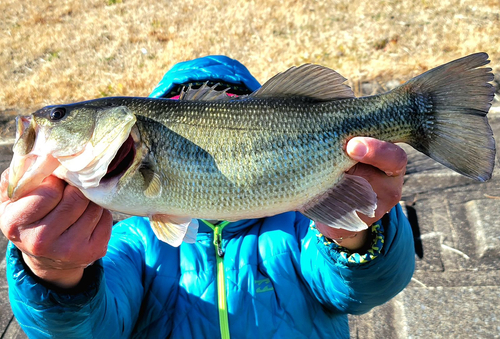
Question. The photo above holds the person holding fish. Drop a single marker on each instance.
(285, 251)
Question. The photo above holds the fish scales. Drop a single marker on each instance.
(304, 159)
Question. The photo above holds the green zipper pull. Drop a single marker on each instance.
(218, 241)
(218, 238)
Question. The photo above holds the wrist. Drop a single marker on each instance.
(358, 242)
(61, 278)
(353, 241)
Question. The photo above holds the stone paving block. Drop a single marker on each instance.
(445, 279)
(450, 312)
(3, 245)
(14, 331)
(484, 218)
(431, 260)
(6, 313)
(8, 124)
(381, 322)
(8, 324)
(433, 312)
(7, 134)
(459, 250)
(3, 280)
(430, 240)
(455, 224)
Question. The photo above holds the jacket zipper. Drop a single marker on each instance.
(221, 278)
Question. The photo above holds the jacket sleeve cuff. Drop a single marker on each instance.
(353, 287)
(345, 256)
(28, 289)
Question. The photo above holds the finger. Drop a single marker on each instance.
(383, 155)
(84, 226)
(73, 248)
(34, 206)
(88, 237)
(388, 189)
(389, 196)
(102, 233)
(381, 183)
(4, 183)
(72, 205)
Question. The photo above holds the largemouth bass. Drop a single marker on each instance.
(282, 148)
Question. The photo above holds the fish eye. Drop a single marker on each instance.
(57, 113)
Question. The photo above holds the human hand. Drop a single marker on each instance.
(58, 230)
(383, 165)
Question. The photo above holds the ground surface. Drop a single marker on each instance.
(61, 51)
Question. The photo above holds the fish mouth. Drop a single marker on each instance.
(27, 170)
(122, 161)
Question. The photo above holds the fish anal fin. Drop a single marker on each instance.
(174, 230)
(192, 232)
(338, 207)
(315, 82)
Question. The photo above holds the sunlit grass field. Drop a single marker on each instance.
(63, 51)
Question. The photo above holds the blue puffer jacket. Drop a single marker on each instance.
(273, 277)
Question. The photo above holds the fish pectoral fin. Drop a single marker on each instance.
(152, 182)
(315, 82)
(337, 208)
(174, 230)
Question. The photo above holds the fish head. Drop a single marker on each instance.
(75, 142)
(64, 129)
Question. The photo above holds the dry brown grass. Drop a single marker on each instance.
(61, 51)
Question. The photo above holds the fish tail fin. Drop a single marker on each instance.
(456, 98)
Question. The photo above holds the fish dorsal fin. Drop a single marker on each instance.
(337, 208)
(174, 230)
(204, 93)
(310, 81)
